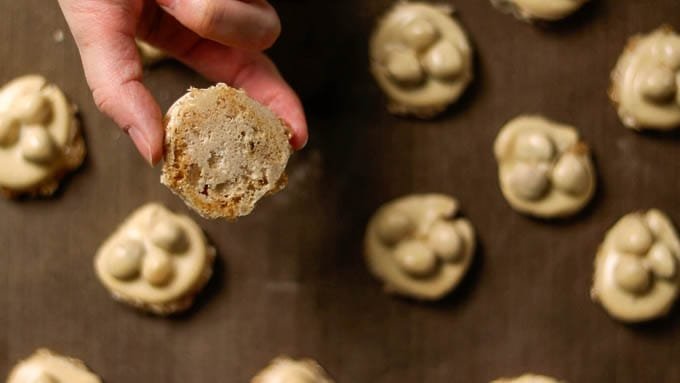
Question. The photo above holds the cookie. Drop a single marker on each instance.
(529, 10)
(149, 54)
(646, 81)
(40, 138)
(418, 247)
(156, 260)
(45, 366)
(223, 151)
(286, 370)
(636, 268)
(528, 378)
(421, 58)
(544, 168)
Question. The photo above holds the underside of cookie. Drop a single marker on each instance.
(224, 151)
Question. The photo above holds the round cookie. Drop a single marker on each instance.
(40, 139)
(421, 58)
(156, 260)
(636, 268)
(417, 247)
(149, 54)
(45, 366)
(646, 81)
(527, 378)
(286, 370)
(529, 10)
(223, 151)
(543, 168)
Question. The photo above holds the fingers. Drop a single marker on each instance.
(250, 25)
(104, 31)
(249, 70)
(133, 108)
(114, 72)
(257, 75)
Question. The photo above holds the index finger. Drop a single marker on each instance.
(105, 39)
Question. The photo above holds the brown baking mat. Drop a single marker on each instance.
(291, 278)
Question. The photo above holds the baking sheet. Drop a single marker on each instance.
(290, 277)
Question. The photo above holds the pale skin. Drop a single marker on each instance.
(221, 39)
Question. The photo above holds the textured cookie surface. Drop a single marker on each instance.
(156, 260)
(544, 168)
(539, 9)
(636, 268)
(527, 378)
(40, 140)
(418, 247)
(223, 151)
(45, 366)
(421, 58)
(286, 370)
(646, 81)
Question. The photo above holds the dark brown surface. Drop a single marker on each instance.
(290, 276)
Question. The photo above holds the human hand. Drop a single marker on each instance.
(221, 39)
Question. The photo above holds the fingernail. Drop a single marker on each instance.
(142, 143)
(294, 139)
(304, 143)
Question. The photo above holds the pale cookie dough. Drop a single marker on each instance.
(418, 248)
(528, 378)
(421, 58)
(286, 370)
(45, 366)
(156, 261)
(636, 268)
(646, 81)
(529, 10)
(40, 139)
(544, 169)
(149, 53)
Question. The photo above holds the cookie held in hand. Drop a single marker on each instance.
(224, 151)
